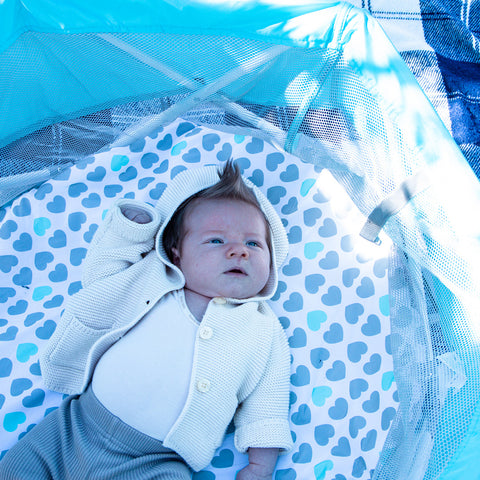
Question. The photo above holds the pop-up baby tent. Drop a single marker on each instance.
(380, 292)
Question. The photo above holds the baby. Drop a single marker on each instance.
(169, 339)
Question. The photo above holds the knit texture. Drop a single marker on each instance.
(242, 371)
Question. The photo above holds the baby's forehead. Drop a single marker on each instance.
(223, 212)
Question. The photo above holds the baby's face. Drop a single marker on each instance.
(224, 251)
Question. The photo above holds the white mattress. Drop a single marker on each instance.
(332, 297)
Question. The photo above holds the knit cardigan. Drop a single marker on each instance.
(240, 370)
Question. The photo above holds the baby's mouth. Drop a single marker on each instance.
(236, 271)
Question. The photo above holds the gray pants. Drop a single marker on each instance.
(82, 440)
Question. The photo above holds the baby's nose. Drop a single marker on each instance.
(238, 249)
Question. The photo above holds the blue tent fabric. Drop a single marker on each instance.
(438, 48)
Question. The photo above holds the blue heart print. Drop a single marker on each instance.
(359, 467)
(353, 312)
(339, 410)
(23, 209)
(165, 143)
(286, 474)
(35, 369)
(334, 334)
(129, 174)
(355, 351)
(366, 289)
(24, 277)
(209, 141)
(19, 308)
(342, 449)
(7, 262)
(97, 175)
(294, 235)
(257, 178)
(156, 192)
(372, 327)
(355, 425)
(33, 318)
(41, 225)
(275, 194)
(330, 261)
(57, 205)
(387, 417)
(6, 367)
(192, 156)
(373, 365)
(294, 303)
(304, 454)
(225, 153)
(55, 302)
(92, 201)
(139, 144)
(110, 191)
(254, 146)
(58, 239)
(347, 243)
(43, 190)
(24, 243)
(162, 168)
(337, 372)
(9, 334)
(273, 160)
(311, 216)
(77, 255)
(35, 399)
(183, 128)
(290, 174)
(318, 356)
(301, 377)
(320, 295)
(298, 339)
(328, 228)
(357, 387)
(290, 207)
(315, 319)
(46, 331)
(6, 293)
(332, 297)
(323, 434)
(303, 416)
(148, 160)
(369, 441)
(59, 274)
(20, 385)
(7, 229)
(145, 182)
(42, 259)
(349, 275)
(224, 459)
(372, 404)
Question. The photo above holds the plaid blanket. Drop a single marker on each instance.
(440, 42)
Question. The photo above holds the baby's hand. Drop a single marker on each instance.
(136, 214)
(249, 473)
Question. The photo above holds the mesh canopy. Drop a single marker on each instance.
(328, 87)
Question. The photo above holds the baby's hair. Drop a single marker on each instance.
(230, 187)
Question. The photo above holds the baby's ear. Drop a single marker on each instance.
(176, 257)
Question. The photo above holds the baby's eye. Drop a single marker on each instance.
(216, 240)
(253, 243)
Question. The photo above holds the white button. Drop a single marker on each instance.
(203, 385)
(219, 301)
(206, 333)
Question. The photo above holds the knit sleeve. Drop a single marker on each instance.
(120, 242)
(262, 418)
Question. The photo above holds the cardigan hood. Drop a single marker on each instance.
(192, 181)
